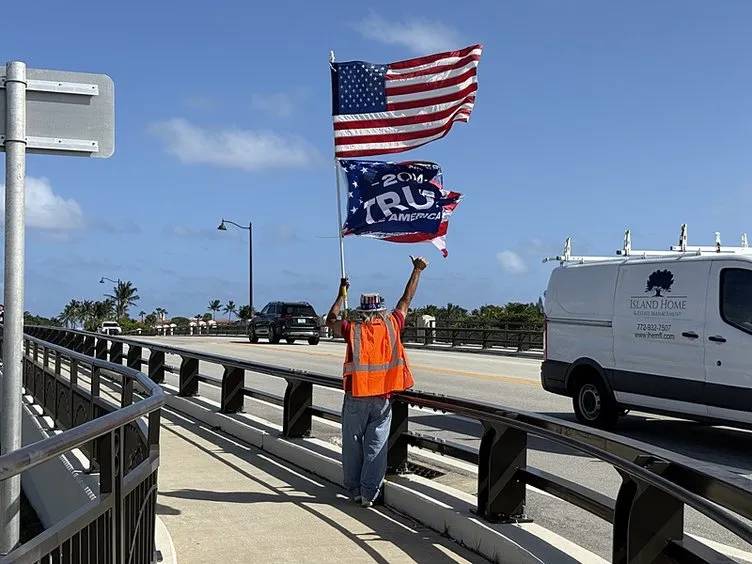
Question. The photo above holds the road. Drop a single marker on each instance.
(512, 382)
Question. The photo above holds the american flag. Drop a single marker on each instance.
(391, 108)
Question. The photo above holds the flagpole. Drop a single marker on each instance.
(337, 175)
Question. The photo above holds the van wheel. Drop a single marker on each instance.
(593, 404)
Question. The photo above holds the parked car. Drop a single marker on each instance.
(109, 328)
(663, 334)
(286, 320)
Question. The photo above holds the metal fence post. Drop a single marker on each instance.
(116, 352)
(297, 409)
(156, 366)
(134, 357)
(233, 380)
(646, 519)
(188, 377)
(110, 447)
(396, 460)
(101, 348)
(501, 494)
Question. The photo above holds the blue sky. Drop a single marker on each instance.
(591, 117)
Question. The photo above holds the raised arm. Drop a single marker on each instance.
(333, 320)
(419, 264)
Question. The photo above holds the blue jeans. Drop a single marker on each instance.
(365, 430)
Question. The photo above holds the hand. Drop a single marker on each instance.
(419, 263)
(344, 286)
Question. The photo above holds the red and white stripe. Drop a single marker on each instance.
(425, 96)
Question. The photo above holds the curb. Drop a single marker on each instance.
(441, 508)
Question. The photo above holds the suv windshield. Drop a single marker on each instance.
(109, 324)
(297, 309)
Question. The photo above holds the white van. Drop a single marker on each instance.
(658, 331)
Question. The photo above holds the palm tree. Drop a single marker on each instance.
(230, 308)
(214, 306)
(161, 313)
(245, 312)
(124, 294)
(87, 312)
(141, 314)
(71, 313)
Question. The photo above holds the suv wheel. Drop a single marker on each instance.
(274, 335)
(593, 404)
(313, 341)
(252, 337)
(290, 341)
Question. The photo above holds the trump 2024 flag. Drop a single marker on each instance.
(398, 202)
(390, 108)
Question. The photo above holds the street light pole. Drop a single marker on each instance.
(223, 227)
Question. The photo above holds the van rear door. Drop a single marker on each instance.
(659, 349)
(729, 341)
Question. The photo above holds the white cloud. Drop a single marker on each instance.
(278, 104)
(47, 210)
(421, 36)
(511, 262)
(245, 149)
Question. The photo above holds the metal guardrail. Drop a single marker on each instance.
(512, 336)
(118, 525)
(518, 337)
(647, 515)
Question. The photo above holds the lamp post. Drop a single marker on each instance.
(101, 280)
(223, 227)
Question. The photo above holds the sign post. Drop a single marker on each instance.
(50, 112)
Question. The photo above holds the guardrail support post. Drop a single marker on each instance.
(501, 494)
(88, 346)
(116, 352)
(134, 357)
(233, 380)
(156, 366)
(396, 459)
(646, 519)
(101, 348)
(297, 409)
(188, 377)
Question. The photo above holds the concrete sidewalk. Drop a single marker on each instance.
(225, 501)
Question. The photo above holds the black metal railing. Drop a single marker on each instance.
(511, 336)
(111, 413)
(519, 337)
(647, 515)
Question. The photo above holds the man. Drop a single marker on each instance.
(375, 367)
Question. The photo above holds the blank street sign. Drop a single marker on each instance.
(70, 113)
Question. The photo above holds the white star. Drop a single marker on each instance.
(355, 184)
(349, 194)
(364, 169)
(353, 209)
(352, 167)
(360, 201)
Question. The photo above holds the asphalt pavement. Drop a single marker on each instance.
(510, 382)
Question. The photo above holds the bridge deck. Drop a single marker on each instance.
(225, 501)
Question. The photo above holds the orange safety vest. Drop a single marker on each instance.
(378, 365)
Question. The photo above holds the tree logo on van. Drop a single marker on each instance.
(660, 280)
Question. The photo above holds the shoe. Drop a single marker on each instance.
(366, 503)
(357, 499)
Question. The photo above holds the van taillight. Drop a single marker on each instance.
(545, 339)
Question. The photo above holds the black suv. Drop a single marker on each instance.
(285, 320)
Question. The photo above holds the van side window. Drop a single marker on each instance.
(736, 298)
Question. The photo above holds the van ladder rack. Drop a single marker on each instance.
(676, 251)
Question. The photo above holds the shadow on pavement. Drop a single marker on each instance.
(305, 493)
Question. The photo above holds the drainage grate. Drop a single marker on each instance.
(424, 471)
